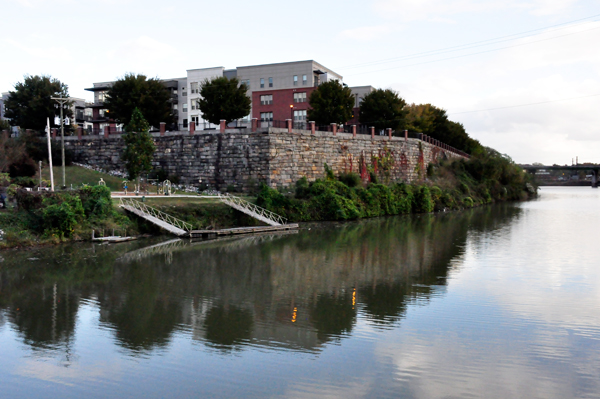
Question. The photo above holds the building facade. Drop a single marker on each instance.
(278, 92)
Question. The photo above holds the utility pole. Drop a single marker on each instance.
(62, 101)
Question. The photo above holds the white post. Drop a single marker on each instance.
(50, 157)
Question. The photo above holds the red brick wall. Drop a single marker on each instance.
(282, 99)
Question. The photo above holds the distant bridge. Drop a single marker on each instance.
(594, 169)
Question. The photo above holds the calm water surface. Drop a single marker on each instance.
(499, 302)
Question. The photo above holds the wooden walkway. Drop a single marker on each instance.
(241, 230)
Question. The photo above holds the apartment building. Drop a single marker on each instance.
(278, 92)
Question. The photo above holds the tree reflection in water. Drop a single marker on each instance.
(298, 291)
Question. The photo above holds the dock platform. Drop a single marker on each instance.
(241, 230)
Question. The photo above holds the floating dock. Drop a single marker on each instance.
(241, 230)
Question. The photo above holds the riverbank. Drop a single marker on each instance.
(450, 185)
(51, 218)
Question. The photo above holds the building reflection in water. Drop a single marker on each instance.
(293, 291)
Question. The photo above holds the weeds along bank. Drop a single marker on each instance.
(54, 217)
(450, 185)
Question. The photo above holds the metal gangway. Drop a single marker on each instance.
(159, 218)
(255, 211)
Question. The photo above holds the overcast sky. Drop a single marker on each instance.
(482, 61)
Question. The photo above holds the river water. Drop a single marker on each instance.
(497, 302)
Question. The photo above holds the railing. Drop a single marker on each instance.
(252, 209)
(140, 206)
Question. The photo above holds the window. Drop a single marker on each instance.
(195, 119)
(266, 117)
(266, 99)
(185, 123)
(295, 80)
(300, 97)
(184, 107)
(304, 80)
(193, 106)
(300, 116)
(101, 96)
(183, 92)
(246, 82)
(262, 83)
(194, 87)
(270, 82)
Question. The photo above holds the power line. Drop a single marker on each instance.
(471, 45)
(476, 53)
(523, 105)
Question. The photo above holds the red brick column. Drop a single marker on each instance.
(53, 130)
(192, 128)
(389, 130)
(353, 130)
(254, 124)
(406, 135)
(372, 129)
(222, 126)
(163, 128)
(312, 127)
(334, 128)
(79, 132)
(106, 131)
(289, 125)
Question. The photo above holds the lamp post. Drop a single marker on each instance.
(62, 101)
(292, 114)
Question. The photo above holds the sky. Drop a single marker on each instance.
(521, 75)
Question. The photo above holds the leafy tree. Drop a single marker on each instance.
(136, 91)
(30, 104)
(331, 103)
(223, 98)
(434, 122)
(139, 146)
(383, 109)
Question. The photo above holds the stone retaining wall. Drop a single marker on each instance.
(274, 156)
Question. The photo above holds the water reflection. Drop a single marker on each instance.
(295, 291)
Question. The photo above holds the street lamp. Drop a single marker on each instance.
(292, 114)
(62, 101)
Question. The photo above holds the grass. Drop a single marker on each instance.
(76, 175)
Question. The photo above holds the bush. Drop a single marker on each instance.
(302, 188)
(468, 202)
(422, 202)
(96, 201)
(350, 179)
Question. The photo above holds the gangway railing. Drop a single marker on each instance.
(160, 215)
(253, 210)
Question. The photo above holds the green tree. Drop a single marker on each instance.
(132, 91)
(139, 146)
(383, 109)
(331, 103)
(31, 103)
(223, 98)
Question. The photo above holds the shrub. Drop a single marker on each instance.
(96, 200)
(422, 202)
(350, 179)
(61, 219)
(302, 188)
(468, 202)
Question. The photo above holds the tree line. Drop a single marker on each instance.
(223, 98)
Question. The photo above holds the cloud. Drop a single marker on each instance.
(143, 49)
(367, 33)
(414, 10)
(45, 53)
(533, 70)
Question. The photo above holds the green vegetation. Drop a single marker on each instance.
(137, 91)
(222, 98)
(79, 176)
(486, 178)
(30, 104)
(383, 109)
(139, 146)
(331, 103)
(434, 122)
(53, 217)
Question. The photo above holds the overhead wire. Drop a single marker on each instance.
(486, 42)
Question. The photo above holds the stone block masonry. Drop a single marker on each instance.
(241, 159)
